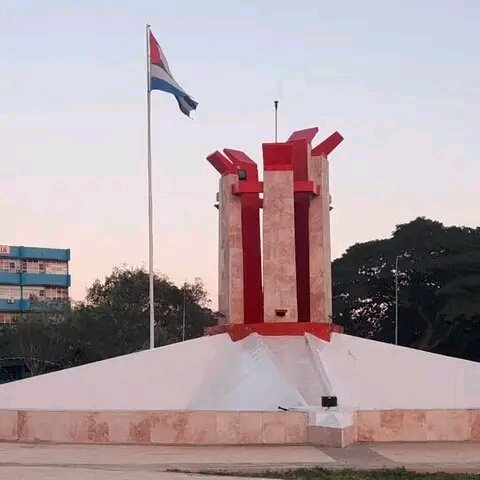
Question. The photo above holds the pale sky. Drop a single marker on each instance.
(400, 80)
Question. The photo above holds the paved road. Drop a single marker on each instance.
(108, 462)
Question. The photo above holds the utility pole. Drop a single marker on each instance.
(184, 310)
(396, 299)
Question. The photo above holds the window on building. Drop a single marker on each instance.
(56, 267)
(45, 293)
(9, 318)
(31, 292)
(33, 266)
(8, 292)
(7, 265)
(6, 318)
(58, 293)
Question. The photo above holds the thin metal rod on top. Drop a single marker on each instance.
(276, 120)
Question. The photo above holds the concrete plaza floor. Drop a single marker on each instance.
(105, 462)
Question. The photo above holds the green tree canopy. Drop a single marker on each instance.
(119, 307)
(439, 288)
(113, 320)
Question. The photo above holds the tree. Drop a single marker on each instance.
(113, 320)
(118, 311)
(439, 288)
(39, 341)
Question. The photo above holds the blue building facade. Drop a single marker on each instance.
(30, 274)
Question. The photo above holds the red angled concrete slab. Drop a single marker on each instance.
(221, 164)
(328, 145)
(237, 156)
(307, 134)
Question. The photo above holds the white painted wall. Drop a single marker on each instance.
(372, 375)
(293, 357)
(247, 378)
(257, 373)
(163, 378)
(209, 373)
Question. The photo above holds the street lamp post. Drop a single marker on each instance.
(396, 299)
(184, 309)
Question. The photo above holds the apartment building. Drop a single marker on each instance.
(30, 274)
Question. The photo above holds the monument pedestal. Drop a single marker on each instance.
(239, 331)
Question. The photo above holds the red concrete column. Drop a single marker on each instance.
(279, 266)
(301, 151)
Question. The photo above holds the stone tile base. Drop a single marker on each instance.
(155, 427)
(401, 426)
(235, 428)
(418, 425)
(331, 437)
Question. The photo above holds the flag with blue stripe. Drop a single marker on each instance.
(162, 79)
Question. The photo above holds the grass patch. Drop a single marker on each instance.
(322, 474)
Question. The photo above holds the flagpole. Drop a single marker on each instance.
(150, 200)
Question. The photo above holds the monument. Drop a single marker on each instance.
(294, 294)
(261, 376)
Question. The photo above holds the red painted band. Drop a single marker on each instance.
(247, 187)
(278, 168)
(307, 187)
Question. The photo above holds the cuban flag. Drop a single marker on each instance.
(162, 79)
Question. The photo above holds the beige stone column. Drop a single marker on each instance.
(279, 271)
(230, 261)
(320, 250)
(327, 245)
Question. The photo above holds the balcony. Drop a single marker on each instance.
(7, 278)
(13, 305)
(59, 254)
(36, 305)
(47, 279)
